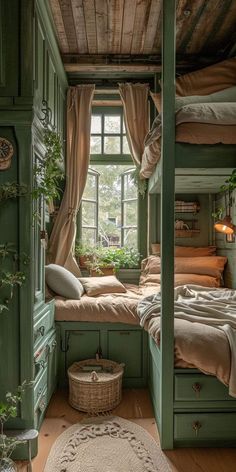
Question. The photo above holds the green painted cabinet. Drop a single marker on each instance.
(125, 346)
(81, 345)
(30, 72)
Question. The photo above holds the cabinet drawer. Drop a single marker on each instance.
(40, 409)
(204, 426)
(194, 387)
(43, 323)
(40, 387)
(126, 346)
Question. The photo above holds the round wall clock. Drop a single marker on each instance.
(6, 153)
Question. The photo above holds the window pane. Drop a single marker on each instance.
(95, 145)
(112, 124)
(125, 146)
(130, 189)
(96, 124)
(90, 190)
(130, 237)
(89, 236)
(112, 145)
(130, 213)
(89, 214)
(124, 129)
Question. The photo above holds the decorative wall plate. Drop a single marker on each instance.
(6, 153)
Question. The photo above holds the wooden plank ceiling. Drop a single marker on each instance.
(91, 31)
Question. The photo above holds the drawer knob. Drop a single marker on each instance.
(41, 330)
(196, 426)
(197, 388)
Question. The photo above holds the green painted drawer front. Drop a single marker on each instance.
(40, 409)
(154, 385)
(204, 426)
(40, 386)
(52, 365)
(43, 324)
(81, 345)
(191, 387)
(126, 346)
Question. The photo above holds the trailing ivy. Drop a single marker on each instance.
(230, 183)
(47, 171)
(12, 190)
(141, 184)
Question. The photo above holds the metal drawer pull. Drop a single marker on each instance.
(54, 343)
(196, 426)
(39, 391)
(197, 388)
(41, 330)
(42, 406)
(125, 333)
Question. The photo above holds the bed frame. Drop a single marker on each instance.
(191, 408)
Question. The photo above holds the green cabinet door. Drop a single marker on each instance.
(81, 345)
(126, 346)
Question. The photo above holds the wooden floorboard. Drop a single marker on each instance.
(135, 406)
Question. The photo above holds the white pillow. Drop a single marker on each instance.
(63, 282)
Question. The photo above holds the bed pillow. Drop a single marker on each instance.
(205, 265)
(227, 95)
(213, 265)
(63, 282)
(205, 81)
(187, 251)
(181, 279)
(100, 285)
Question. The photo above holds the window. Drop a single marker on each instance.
(110, 206)
(108, 135)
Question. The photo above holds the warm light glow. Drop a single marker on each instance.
(225, 226)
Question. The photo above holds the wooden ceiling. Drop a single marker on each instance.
(119, 30)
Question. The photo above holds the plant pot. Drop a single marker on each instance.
(108, 270)
(7, 465)
(84, 260)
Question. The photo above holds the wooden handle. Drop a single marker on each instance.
(197, 388)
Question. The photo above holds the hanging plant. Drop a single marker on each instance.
(141, 184)
(230, 183)
(11, 280)
(47, 171)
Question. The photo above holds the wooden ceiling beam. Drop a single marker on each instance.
(91, 67)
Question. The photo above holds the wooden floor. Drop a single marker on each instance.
(136, 406)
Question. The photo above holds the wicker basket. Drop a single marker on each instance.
(94, 391)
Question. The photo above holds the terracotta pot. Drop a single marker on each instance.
(109, 270)
(83, 261)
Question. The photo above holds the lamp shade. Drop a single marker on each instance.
(225, 225)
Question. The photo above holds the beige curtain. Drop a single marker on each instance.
(62, 240)
(135, 101)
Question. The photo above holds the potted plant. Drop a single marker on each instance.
(84, 254)
(106, 261)
(7, 443)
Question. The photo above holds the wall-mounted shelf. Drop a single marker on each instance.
(186, 207)
(186, 233)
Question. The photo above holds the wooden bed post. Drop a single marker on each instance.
(167, 224)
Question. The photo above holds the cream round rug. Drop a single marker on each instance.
(108, 444)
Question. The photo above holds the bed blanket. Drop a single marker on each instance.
(205, 329)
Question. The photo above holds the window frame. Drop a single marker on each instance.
(110, 158)
(101, 159)
(125, 201)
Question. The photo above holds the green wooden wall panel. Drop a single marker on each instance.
(81, 345)
(225, 248)
(9, 53)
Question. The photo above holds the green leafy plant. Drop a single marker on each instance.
(11, 280)
(8, 409)
(12, 190)
(218, 214)
(3, 308)
(141, 184)
(100, 257)
(47, 171)
(230, 183)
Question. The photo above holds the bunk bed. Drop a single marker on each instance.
(191, 408)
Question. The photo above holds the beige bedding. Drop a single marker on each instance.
(204, 329)
(111, 308)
